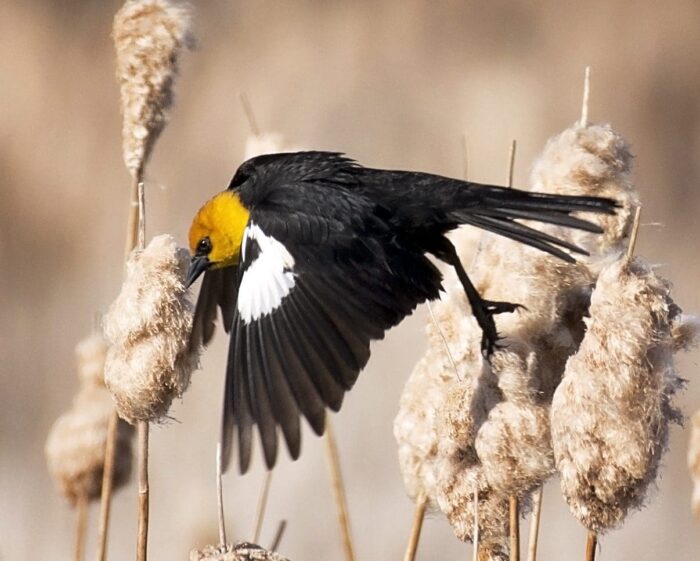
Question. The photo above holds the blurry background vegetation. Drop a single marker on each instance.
(393, 84)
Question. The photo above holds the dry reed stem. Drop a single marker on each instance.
(278, 535)
(107, 485)
(341, 504)
(142, 535)
(262, 506)
(586, 97)
(694, 462)
(591, 545)
(514, 527)
(535, 524)
(81, 527)
(416, 527)
(513, 503)
(220, 494)
(238, 552)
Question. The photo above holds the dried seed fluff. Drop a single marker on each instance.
(238, 552)
(75, 447)
(592, 160)
(149, 36)
(611, 413)
(149, 363)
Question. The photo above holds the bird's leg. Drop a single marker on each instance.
(483, 310)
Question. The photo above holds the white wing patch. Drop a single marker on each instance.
(268, 279)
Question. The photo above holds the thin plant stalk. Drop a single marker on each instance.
(142, 536)
(634, 233)
(514, 503)
(414, 537)
(81, 527)
(586, 97)
(132, 236)
(475, 534)
(341, 503)
(278, 536)
(107, 484)
(220, 494)
(262, 505)
(514, 528)
(535, 525)
(591, 545)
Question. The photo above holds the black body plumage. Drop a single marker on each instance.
(348, 247)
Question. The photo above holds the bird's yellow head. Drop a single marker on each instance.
(216, 234)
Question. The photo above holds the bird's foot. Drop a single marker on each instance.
(484, 310)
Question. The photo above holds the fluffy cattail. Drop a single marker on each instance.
(75, 447)
(694, 462)
(149, 36)
(149, 363)
(415, 425)
(611, 413)
(460, 474)
(238, 552)
(592, 160)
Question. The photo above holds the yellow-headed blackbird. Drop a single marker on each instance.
(310, 256)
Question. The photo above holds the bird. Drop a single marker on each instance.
(310, 256)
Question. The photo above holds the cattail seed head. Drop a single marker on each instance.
(610, 415)
(238, 552)
(91, 354)
(75, 447)
(150, 362)
(459, 472)
(592, 160)
(149, 36)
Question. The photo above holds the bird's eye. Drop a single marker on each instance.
(204, 246)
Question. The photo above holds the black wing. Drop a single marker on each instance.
(319, 279)
(218, 290)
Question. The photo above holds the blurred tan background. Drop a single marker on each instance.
(393, 84)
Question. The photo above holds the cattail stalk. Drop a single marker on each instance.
(535, 524)
(414, 537)
(142, 536)
(81, 527)
(262, 506)
(278, 535)
(107, 486)
(341, 503)
(148, 36)
(513, 502)
(220, 494)
(591, 545)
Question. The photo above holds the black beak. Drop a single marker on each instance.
(198, 265)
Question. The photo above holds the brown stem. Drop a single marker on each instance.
(634, 233)
(80, 527)
(132, 230)
(142, 536)
(591, 544)
(278, 536)
(418, 517)
(107, 480)
(514, 528)
(535, 525)
(341, 504)
(262, 505)
(476, 521)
